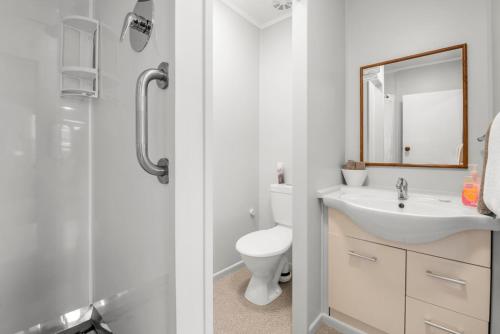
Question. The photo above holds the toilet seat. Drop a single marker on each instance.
(265, 243)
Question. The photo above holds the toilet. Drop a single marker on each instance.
(264, 252)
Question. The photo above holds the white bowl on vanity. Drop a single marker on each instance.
(355, 177)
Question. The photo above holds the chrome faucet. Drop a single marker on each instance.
(402, 187)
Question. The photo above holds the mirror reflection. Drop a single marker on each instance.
(413, 110)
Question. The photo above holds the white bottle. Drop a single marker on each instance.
(280, 170)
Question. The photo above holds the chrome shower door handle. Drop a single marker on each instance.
(160, 75)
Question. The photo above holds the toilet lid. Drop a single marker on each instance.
(264, 243)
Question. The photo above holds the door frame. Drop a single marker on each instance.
(192, 167)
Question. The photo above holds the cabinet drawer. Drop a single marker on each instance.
(456, 286)
(423, 318)
(367, 282)
(472, 247)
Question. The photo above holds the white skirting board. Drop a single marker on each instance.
(313, 328)
(231, 269)
(333, 323)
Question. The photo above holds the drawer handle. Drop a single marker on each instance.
(369, 258)
(432, 324)
(447, 279)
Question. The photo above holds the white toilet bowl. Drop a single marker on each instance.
(264, 253)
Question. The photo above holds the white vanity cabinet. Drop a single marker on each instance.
(381, 287)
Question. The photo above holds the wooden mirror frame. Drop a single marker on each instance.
(465, 124)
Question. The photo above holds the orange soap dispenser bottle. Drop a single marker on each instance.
(471, 189)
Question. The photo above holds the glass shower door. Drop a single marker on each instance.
(81, 223)
(133, 230)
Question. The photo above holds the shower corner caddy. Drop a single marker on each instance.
(79, 57)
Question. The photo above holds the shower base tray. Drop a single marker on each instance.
(89, 323)
(86, 320)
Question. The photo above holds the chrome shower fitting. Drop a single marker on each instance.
(140, 25)
(282, 4)
(136, 22)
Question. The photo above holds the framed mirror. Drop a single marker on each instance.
(414, 110)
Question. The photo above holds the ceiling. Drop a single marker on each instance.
(259, 12)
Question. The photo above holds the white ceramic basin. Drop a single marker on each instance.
(424, 217)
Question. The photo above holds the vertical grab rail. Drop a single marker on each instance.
(159, 74)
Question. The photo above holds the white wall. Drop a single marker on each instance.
(495, 14)
(426, 79)
(318, 138)
(495, 56)
(431, 25)
(275, 112)
(193, 154)
(44, 216)
(236, 47)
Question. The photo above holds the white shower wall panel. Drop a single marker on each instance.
(44, 239)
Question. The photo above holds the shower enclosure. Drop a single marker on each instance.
(82, 226)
